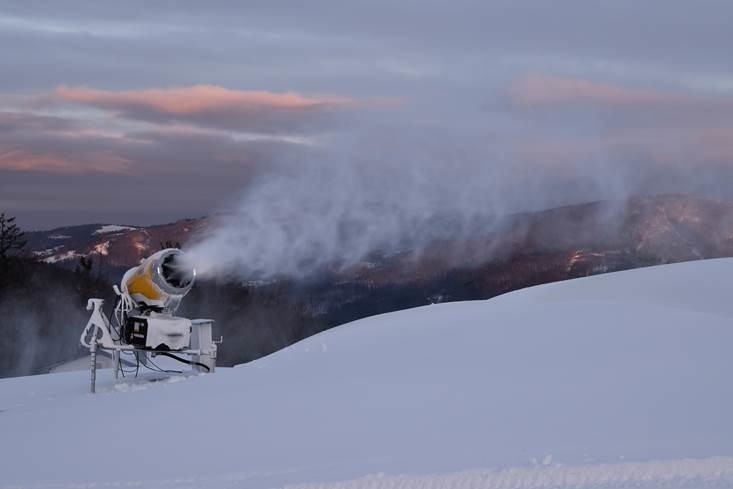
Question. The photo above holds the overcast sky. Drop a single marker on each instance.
(146, 112)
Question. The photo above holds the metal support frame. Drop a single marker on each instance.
(204, 351)
(93, 354)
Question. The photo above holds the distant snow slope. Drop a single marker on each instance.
(619, 380)
(113, 228)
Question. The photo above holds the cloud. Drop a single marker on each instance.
(192, 100)
(540, 90)
(153, 154)
(568, 123)
(607, 94)
(56, 170)
(211, 106)
(14, 121)
(76, 142)
(31, 142)
(28, 159)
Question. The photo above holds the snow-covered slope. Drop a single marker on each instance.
(618, 380)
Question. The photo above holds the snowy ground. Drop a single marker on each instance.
(620, 380)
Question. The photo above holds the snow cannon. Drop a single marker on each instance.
(145, 324)
(160, 281)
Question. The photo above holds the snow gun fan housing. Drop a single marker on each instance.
(160, 281)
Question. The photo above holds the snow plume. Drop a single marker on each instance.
(401, 177)
(386, 192)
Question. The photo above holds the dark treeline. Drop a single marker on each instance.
(42, 312)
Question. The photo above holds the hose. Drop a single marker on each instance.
(183, 360)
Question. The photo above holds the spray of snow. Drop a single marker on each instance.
(388, 187)
(387, 190)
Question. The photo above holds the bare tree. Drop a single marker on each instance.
(11, 237)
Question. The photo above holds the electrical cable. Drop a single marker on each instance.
(109, 318)
(137, 364)
(183, 360)
(151, 365)
(159, 369)
(122, 369)
(119, 366)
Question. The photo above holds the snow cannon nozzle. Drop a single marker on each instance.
(161, 280)
(176, 270)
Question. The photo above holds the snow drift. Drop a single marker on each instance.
(585, 383)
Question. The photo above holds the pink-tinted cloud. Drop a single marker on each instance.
(192, 100)
(26, 159)
(42, 144)
(186, 131)
(618, 124)
(212, 106)
(538, 90)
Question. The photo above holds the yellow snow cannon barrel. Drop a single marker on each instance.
(160, 281)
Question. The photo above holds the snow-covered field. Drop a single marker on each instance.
(619, 380)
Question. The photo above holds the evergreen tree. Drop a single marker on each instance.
(11, 237)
